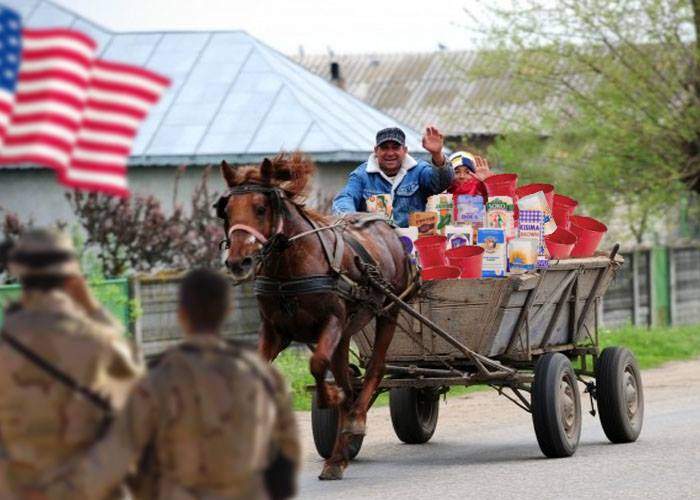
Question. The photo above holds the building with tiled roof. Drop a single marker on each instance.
(420, 88)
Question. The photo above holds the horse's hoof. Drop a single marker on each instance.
(331, 473)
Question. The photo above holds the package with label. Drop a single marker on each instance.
(442, 204)
(459, 235)
(426, 222)
(531, 225)
(493, 241)
(522, 255)
(470, 208)
(379, 203)
(538, 201)
(408, 236)
(499, 213)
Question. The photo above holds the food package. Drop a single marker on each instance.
(522, 254)
(380, 203)
(459, 235)
(538, 201)
(408, 236)
(470, 209)
(425, 222)
(499, 214)
(493, 241)
(442, 204)
(531, 225)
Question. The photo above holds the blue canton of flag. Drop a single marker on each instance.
(10, 52)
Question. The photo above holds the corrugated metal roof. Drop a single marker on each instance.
(231, 97)
(421, 88)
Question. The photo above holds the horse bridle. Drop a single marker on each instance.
(279, 209)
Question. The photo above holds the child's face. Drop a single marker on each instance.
(462, 174)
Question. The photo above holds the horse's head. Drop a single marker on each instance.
(254, 209)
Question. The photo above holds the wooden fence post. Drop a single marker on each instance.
(137, 327)
(635, 287)
(673, 312)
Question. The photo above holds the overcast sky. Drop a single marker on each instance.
(349, 26)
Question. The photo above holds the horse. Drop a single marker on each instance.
(310, 282)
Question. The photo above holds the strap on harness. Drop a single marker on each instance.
(55, 372)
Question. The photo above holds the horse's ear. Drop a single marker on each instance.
(266, 169)
(229, 173)
(284, 173)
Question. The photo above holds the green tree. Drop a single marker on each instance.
(603, 99)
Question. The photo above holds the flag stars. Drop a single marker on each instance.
(13, 41)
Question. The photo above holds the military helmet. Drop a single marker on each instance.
(43, 252)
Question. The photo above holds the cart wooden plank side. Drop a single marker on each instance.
(533, 337)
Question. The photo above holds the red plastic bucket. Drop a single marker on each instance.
(440, 273)
(589, 233)
(501, 185)
(431, 250)
(529, 189)
(563, 209)
(468, 258)
(560, 243)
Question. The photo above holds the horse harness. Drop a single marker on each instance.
(337, 281)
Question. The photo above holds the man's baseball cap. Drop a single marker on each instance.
(394, 134)
(463, 159)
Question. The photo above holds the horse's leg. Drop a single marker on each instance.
(334, 466)
(270, 343)
(356, 423)
(328, 395)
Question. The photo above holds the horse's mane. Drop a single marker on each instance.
(292, 172)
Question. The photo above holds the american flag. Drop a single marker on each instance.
(63, 108)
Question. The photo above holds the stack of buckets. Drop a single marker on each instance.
(438, 262)
(576, 235)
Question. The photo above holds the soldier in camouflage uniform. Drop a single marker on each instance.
(64, 364)
(211, 420)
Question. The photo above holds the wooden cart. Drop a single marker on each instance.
(533, 337)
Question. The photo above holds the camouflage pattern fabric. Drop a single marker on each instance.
(204, 424)
(44, 423)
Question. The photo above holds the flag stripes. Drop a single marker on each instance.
(69, 110)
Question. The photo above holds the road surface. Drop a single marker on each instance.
(485, 447)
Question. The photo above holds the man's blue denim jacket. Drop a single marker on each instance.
(409, 190)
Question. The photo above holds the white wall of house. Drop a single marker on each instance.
(34, 193)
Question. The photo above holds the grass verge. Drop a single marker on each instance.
(652, 347)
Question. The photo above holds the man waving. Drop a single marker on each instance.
(391, 170)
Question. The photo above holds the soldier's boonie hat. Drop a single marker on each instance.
(43, 252)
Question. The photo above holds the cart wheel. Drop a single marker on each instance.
(324, 425)
(414, 413)
(620, 395)
(556, 406)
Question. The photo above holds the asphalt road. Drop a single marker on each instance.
(485, 447)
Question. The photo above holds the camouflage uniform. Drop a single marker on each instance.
(42, 421)
(205, 423)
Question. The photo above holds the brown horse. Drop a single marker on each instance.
(309, 282)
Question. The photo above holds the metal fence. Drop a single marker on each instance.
(114, 294)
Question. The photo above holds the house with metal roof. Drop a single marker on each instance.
(420, 88)
(232, 97)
